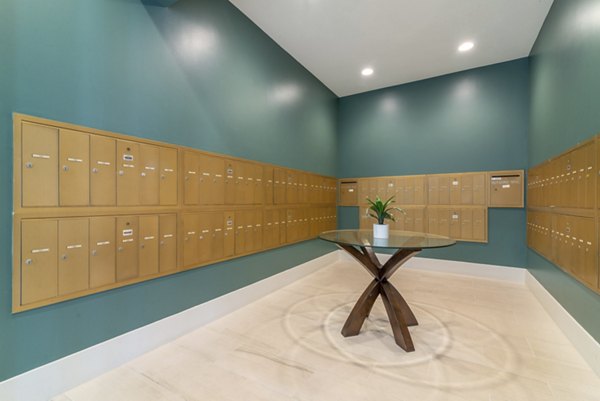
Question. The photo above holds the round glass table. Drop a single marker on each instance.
(360, 244)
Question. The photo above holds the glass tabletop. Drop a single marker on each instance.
(396, 240)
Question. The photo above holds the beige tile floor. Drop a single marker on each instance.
(477, 339)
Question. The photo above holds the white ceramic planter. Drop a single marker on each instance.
(381, 231)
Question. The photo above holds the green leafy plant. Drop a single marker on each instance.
(381, 211)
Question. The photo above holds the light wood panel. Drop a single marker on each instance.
(96, 210)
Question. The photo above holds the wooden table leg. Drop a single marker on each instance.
(398, 311)
(361, 310)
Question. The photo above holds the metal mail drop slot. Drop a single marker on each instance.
(168, 236)
(40, 250)
(76, 246)
(168, 170)
(103, 243)
(72, 159)
(39, 156)
(149, 238)
(127, 232)
(103, 163)
(128, 240)
(229, 222)
(128, 158)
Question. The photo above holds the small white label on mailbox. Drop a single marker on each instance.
(128, 158)
(127, 232)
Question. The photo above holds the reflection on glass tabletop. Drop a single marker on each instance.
(396, 240)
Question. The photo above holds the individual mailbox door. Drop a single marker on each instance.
(229, 234)
(191, 226)
(218, 234)
(479, 190)
(268, 184)
(466, 189)
(433, 190)
(168, 176)
(230, 182)
(148, 239)
(466, 223)
(432, 221)
(167, 242)
(127, 247)
(128, 173)
(240, 232)
(102, 251)
(205, 237)
(74, 177)
(73, 260)
(419, 189)
(257, 230)
(589, 194)
(455, 223)
(103, 180)
(444, 189)
(479, 224)
(419, 220)
(588, 246)
(205, 180)
(291, 193)
(214, 181)
(190, 178)
(39, 172)
(409, 191)
(279, 186)
(149, 174)
(268, 231)
(259, 185)
(39, 260)
(244, 183)
(443, 217)
(454, 183)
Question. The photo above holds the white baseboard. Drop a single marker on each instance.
(583, 342)
(47, 381)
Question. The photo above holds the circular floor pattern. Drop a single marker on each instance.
(451, 350)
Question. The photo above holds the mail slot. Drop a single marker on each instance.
(506, 188)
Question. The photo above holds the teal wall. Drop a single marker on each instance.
(474, 120)
(565, 94)
(198, 74)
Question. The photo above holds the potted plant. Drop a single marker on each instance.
(381, 211)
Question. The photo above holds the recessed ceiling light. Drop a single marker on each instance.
(367, 71)
(465, 47)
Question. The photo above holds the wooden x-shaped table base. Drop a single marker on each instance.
(398, 311)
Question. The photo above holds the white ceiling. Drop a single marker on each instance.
(402, 40)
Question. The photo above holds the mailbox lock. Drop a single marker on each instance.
(121, 172)
(162, 177)
(142, 246)
(94, 252)
(30, 165)
(143, 174)
(162, 242)
(66, 168)
(28, 261)
(94, 170)
(64, 257)
(120, 249)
